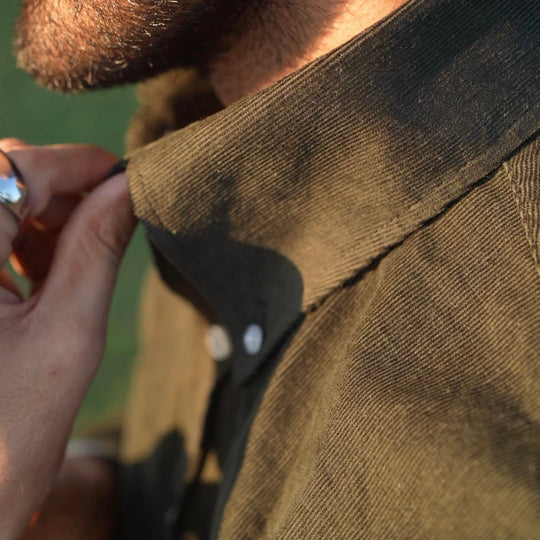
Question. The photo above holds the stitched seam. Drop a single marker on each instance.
(525, 217)
(459, 176)
(436, 215)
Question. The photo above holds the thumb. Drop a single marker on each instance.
(79, 287)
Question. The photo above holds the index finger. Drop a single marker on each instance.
(9, 222)
(64, 169)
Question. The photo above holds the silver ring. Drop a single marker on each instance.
(13, 191)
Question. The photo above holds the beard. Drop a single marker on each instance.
(71, 45)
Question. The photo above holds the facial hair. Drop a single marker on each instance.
(71, 45)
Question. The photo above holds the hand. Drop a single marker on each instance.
(52, 343)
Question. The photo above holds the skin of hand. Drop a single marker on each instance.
(81, 504)
(52, 343)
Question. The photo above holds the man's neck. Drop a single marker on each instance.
(279, 37)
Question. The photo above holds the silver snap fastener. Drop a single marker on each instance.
(218, 343)
(253, 339)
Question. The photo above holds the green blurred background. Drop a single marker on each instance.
(41, 117)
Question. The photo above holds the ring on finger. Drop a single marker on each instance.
(13, 190)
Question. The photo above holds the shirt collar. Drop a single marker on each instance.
(273, 203)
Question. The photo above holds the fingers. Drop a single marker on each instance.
(8, 223)
(9, 227)
(12, 143)
(67, 169)
(87, 258)
(56, 176)
(57, 212)
(34, 246)
(33, 251)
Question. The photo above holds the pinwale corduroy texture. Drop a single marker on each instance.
(376, 214)
(339, 162)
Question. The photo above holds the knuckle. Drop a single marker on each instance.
(12, 143)
(109, 241)
(101, 235)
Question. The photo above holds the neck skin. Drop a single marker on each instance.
(279, 37)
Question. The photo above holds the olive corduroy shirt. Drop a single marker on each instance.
(376, 215)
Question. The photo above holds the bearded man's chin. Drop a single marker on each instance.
(57, 76)
(74, 74)
(64, 68)
(70, 45)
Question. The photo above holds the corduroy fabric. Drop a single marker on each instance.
(525, 173)
(339, 161)
(375, 213)
(408, 404)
